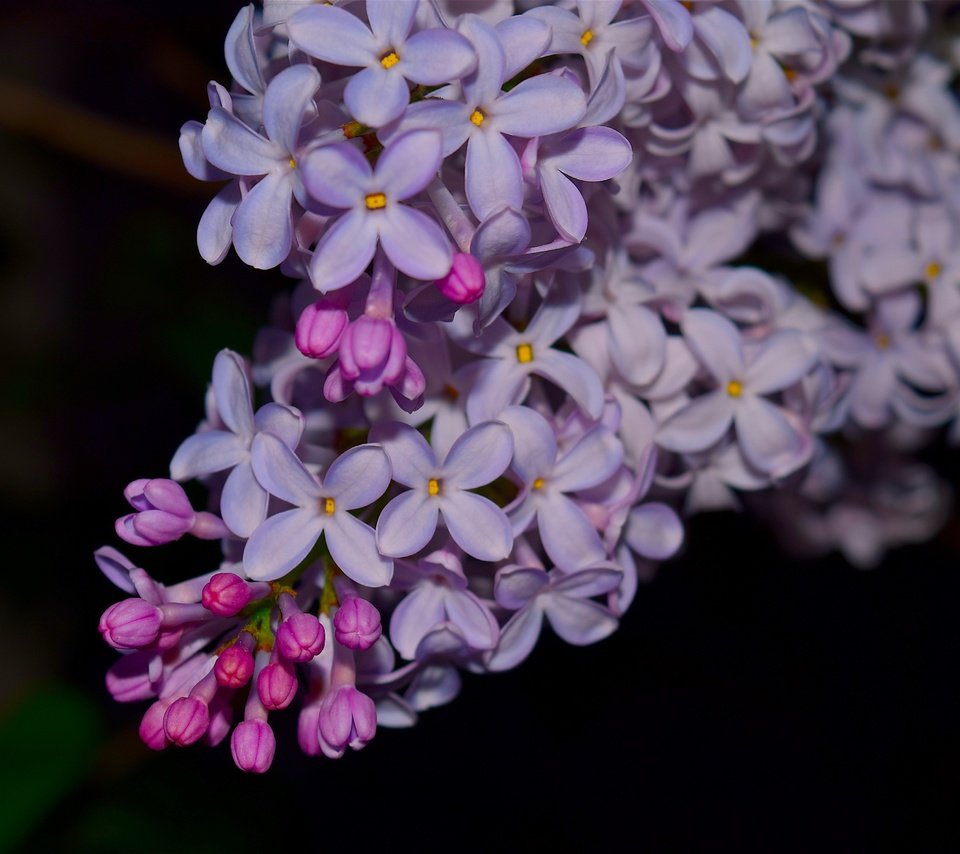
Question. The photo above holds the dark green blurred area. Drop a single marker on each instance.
(747, 701)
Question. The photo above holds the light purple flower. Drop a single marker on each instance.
(475, 523)
(243, 501)
(355, 479)
(437, 594)
(388, 53)
(565, 600)
(768, 437)
(263, 222)
(340, 177)
(537, 106)
(547, 475)
(513, 356)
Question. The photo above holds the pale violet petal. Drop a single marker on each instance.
(565, 205)
(539, 106)
(415, 615)
(287, 98)
(408, 163)
(343, 252)
(283, 421)
(516, 586)
(716, 342)
(406, 524)
(594, 581)
(411, 457)
(231, 146)
(376, 95)
(207, 452)
(358, 477)
(281, 473)
(579, 621)
(534, 442)
(353, 547)
(592, 460)
(414, 243)
(479, 456)
(477, 525)
(436, 56)
(333, 34)
(574, 376)
(243, 501)
(517, 639)
(699, 424)
(231, 391)
(473, 618)
(281, 543)
(493, 175)
(654, 531)
(263, 222)
(337, 175)
(568, 536)
(391, 20)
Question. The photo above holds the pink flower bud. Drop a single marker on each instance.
(226, 594)
(186, 720)
(130, 624)
(319, 329)
(300, 637)
(357, 623)
(349, 719)
(234, 667)
(163, 513)
(464, 283)
(277, 685)
(152, 733)
(252, 746)
(372, 352)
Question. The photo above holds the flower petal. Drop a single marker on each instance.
(539, 106)
(406, 524)
(477, 525)
(343, 252)
(493, 176)
(415, 615)
(437, 56)
(654, 531)
(783, 359)
(353, 546)
(595, 457)
(517, 639)
(281, 473)
(207, 452)
(414, 243)
(243, 501)
(411, 457)
(473, 618)
(699, 424)
(574, 376)
(333, 34)
(263, 223)
(358, 477)
(231, 146)
(479, 456)
(231, 391)
(579, 621)
(281, 543)
(768, 440)
(337, 175)
(409, 163)
(285, 102)
(716, 342)
(568, 536)
(376, 95)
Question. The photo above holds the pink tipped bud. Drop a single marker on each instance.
(186, 720)
(234, 667)
(226, 594)
(277, 685)
(152, 733)
(464, 283)
(319, 329)
(357, 623)
(300, 637)
(252, 746)
(373, 353)
(163, 513)
(350, 719)
(130, 624)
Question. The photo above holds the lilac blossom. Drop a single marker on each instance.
(263, 223)
(339, 176)
(768, 438)
(354, 480)
(243, 501)
(387, 51)
(437, 490)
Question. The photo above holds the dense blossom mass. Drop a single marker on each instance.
(542, 310)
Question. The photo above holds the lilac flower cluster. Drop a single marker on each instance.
(523, 340)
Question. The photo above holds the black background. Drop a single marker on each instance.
(747, 702)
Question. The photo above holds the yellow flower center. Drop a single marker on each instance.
(329, 506)
(734, 388)
(538, 483)
(586, 38)
(882, 340)
(477, 117)
(933, 270)
(375, 201)
(293, 163)
(524, 353)
(433, 486)
(388, 60)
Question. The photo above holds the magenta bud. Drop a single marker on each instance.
(319, 329)
(277, 685)
(130, 624)
(252, 746)
(373, 352)
(225, 594)
(349, 719)
(186, 720)
(464, 283)
(300, 637)
(152, 733)
(357, 623)
(163, 513)
(308, 729)
(234, 667)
